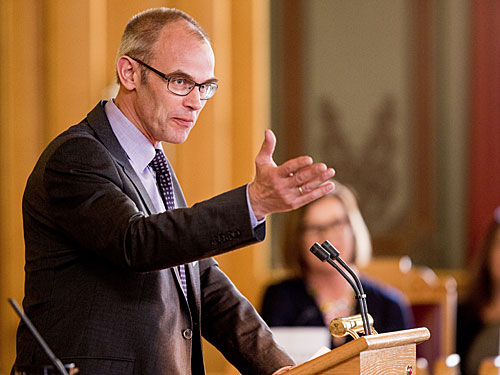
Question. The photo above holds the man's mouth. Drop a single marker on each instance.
(184, 121)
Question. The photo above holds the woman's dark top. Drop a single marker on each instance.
(289, 303)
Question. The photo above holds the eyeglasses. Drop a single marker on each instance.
(319, 229)
(182, 86)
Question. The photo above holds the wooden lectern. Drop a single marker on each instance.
(385, 353)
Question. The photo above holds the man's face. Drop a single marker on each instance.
(162, 115)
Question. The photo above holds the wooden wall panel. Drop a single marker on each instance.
(66, 63)
(20, 132)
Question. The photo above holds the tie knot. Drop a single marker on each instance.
(159, 162)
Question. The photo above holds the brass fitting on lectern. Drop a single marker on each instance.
(340, 327)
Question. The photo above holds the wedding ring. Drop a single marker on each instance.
(300, 190)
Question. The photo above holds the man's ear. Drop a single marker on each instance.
(128, 72)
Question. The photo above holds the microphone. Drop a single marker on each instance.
(336, 256)
(327, 251)
(57, 363)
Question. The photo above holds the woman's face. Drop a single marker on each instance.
(326, 219)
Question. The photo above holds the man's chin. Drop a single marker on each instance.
(177, 138)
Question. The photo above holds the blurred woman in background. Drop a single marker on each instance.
(318, 293)
(478, 321)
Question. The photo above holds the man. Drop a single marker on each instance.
(119, 274)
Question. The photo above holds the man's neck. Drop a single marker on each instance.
(124, 102)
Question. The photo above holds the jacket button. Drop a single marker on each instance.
(187, 334)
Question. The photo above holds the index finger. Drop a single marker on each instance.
(315, 193)
(291, 166)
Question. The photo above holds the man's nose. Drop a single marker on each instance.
(192, 100)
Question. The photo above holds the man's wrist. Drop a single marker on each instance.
(254, 219)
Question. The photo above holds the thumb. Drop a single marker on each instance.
(265, 154)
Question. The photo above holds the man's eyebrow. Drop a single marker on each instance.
(185, 75)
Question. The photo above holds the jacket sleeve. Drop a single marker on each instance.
(234, 327)
(81, 197)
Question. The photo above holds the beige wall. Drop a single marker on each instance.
(57, 62)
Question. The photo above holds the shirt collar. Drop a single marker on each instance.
(138, 148)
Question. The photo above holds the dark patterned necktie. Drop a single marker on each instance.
(164, 181)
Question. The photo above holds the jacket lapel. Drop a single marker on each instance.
(99, 123)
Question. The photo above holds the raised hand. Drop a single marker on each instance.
(288, 186)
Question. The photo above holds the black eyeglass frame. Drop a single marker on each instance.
(168, 78)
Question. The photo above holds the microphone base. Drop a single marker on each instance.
(351, 325)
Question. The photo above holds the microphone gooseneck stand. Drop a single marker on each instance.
(326, 252)
(57, 363)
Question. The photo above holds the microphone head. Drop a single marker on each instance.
(320, 253)
(334, 253)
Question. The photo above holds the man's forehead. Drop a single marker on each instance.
(181, 47)
(181, 29)
(180, 38)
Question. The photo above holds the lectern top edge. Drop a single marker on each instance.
(356, 347)
(397, 338)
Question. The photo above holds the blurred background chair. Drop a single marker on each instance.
(447, 365)
(490, 366)
(433, 301)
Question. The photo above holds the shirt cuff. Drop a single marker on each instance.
(253, 218)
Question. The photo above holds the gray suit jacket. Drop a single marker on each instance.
(99, 283)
